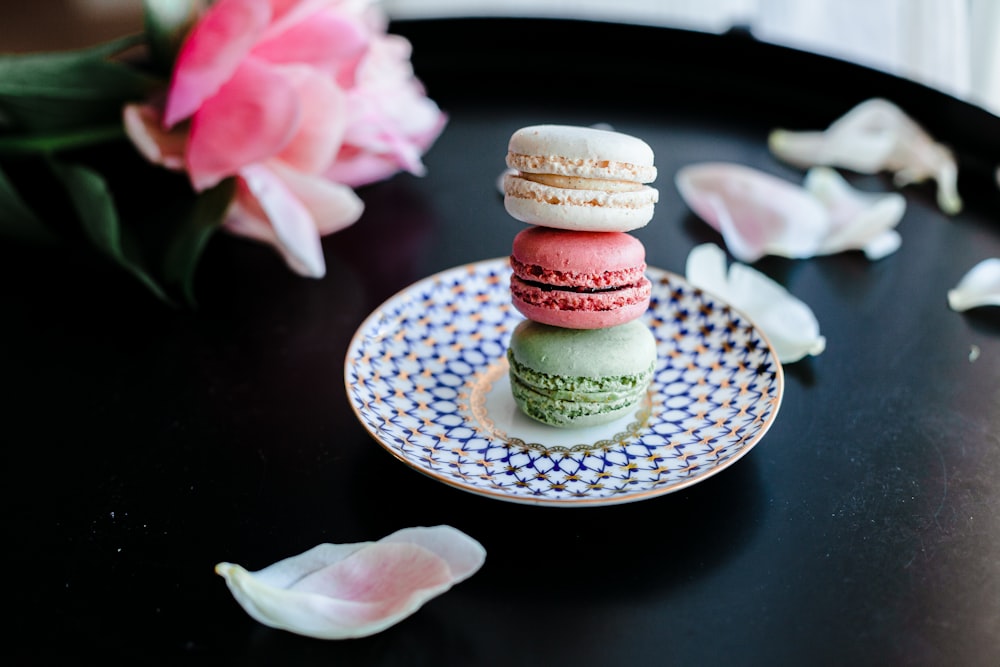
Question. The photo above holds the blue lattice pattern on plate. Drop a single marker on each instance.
(419, 366)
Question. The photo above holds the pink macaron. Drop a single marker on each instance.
(578, 280)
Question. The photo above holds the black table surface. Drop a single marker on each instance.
(143, 444)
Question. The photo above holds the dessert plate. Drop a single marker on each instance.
(426, 374)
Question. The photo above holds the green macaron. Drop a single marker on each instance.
(580, 377)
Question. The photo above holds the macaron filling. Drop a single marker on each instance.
(599, 193)
(558, 297)
(577, 182)
(591, 281)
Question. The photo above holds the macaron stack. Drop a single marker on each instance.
(582, 357)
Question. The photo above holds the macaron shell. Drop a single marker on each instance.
(627, 349)
(570, 314)
(579, 280)
(579, 210)
(570, 278)
(570, 378)
(578, 259)
(581, 151)
(564, 413)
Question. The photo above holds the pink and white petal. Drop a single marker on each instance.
(252, 118)
(757, 213)
(463, 554)
(380, 574)
(876, 135)
(385, 582)
(882, 245)
(302, 613)
(917, 157)
(390, 117)
(345, 591)
(246, 218)
(366, 593)
(860, 153)
(788, 323)
(143, 125)
(290, 12)
(936, 162)
(333, 206)
(212, 52)
(862, 140)
(980, 286)
(284, 573)
(267, 210)
(858, 220)
(322, 119)
(329, 41)
(356, 168)
(387, 132)
(706, 269)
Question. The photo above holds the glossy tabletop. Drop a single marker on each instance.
(145, 444)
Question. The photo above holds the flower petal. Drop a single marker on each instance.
(858, 220)
(757, 214)
(874, 136)
(862, 140)
(212, 52)
(391, 121)
(980, 286)
(144, 128)
(333, 206)
(343, 591)
(788, 323)
(321, 122)
(883, 245)
(267, 210)
(287, 12)
(330, 41)
(706, 269)
(253, 117)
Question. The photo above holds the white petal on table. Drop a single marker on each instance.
(757, 213)
(787, 322)
(760, 214)
(341, 591)
(876, 135)
(980, 286)
(858, 220)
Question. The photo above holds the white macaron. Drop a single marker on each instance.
(579, 178)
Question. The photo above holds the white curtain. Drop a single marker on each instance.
(952, 45)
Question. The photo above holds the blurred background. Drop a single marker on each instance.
(951, 45)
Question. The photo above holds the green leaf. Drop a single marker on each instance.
(43, 92)
(187, 245)
(51, 142)
(16, 217)
(95, 206)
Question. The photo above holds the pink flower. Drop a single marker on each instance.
(300, 101)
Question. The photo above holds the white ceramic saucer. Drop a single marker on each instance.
(426, 374)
